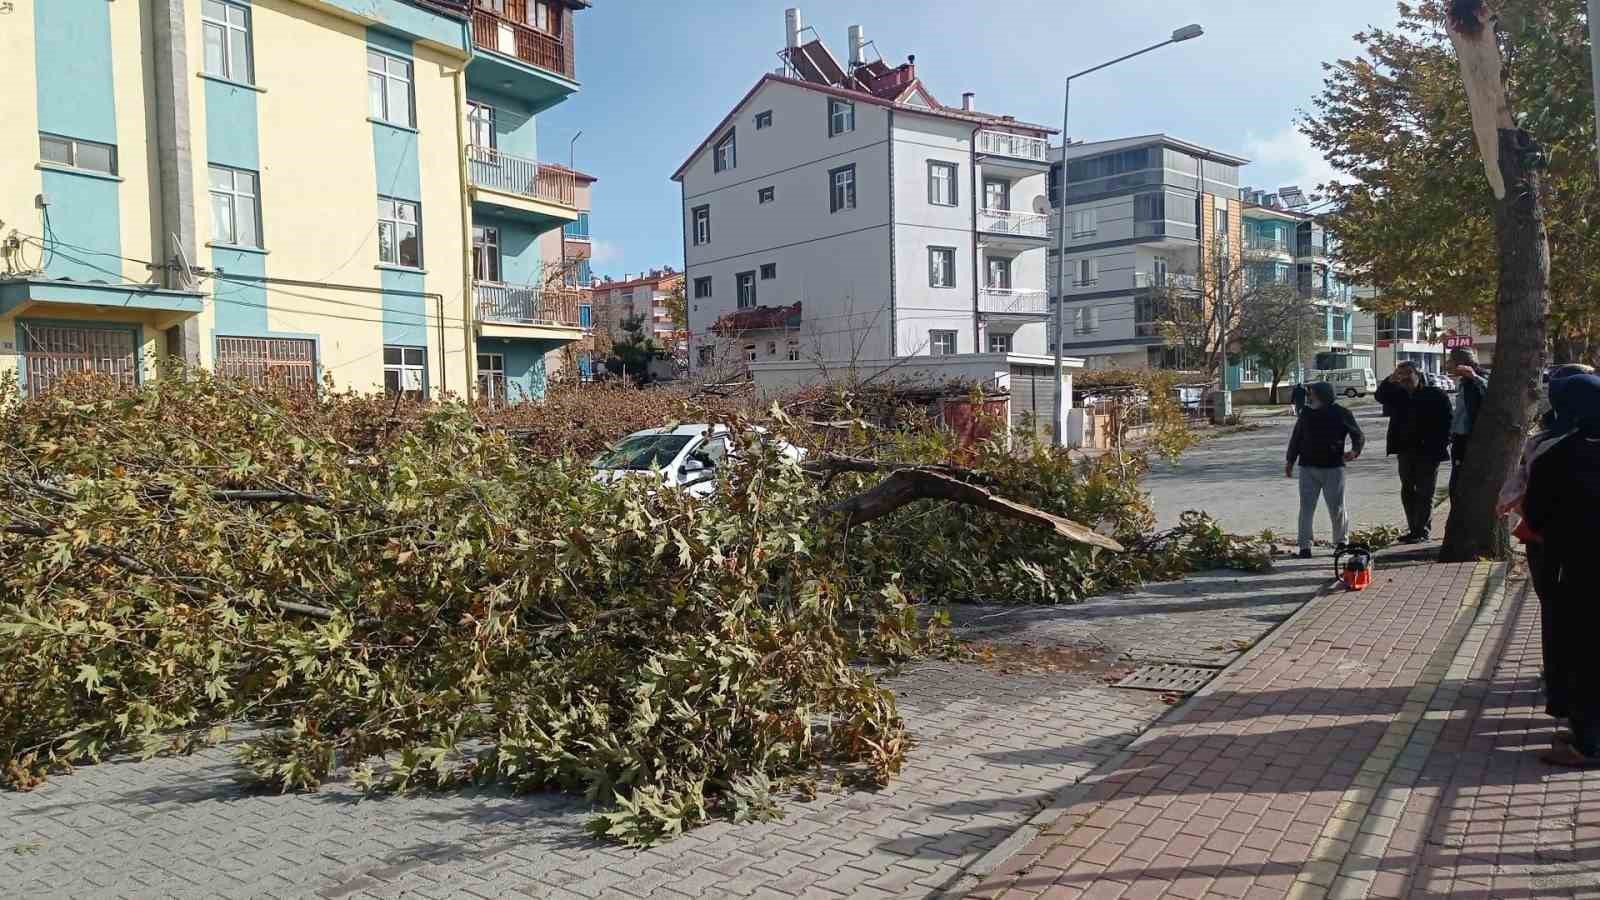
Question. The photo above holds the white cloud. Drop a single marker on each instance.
(1285, 158)
(603, 252)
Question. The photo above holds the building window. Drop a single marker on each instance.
(766, 195)
(585, 315)
(942, 184)
(841, 116)
(769, 271)
(1088, 272)
(708, 355)
(1086, 320)
(389, 88)
(399, 233)
(702, 287)
(842, 188)
(1085, 222)
(750, 352)
(999, 343)
(585, 273)
(725, 154)
(999, 272)
(941, 343)
(942, 267)
(265, 362)
(794, 351)
(702, 225)
(746, 282)
(225, 32)
(491, 377)
(480, 125)
(485, 254)
(996, 194)
(772, 348)
(763, 120)
(1220, 220)
(235, 207)
(405, 371)
(579, 230)
(76, 154)
(1158, 271)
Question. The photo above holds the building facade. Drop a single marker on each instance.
(285, 191)
(841, 212)
(1152, 221)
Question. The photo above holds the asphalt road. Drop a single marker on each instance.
(1238, 479)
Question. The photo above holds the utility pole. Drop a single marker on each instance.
(1594, 62)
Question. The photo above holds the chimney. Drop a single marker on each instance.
(792, 26)
(858, 43)
(966, 100)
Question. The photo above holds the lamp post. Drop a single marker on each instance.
(1182, 34)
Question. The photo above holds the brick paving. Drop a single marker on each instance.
(1382, 744)
(993, 748)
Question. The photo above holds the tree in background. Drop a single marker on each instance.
(1276, 327)
(1412, 212)
(630, 357)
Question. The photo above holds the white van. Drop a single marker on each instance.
(1348, 382)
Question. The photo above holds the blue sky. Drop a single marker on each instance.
(657, 76)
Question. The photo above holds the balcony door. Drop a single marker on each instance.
(480, 125)
(999, 272)
(486, 254)
(996, 194)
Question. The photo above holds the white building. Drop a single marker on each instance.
(843, 213)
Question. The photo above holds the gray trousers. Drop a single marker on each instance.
(1328, 482)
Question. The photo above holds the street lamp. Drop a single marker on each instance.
(1182, 34)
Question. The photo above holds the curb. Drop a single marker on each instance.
(1065, 799)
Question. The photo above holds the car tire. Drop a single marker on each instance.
(1352, 393)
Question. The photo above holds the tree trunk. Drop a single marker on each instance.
(1474, 530)
(1277, 378)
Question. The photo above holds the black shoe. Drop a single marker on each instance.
(1305, 553)
(1411, 538)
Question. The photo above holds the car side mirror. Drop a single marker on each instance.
(690, 468)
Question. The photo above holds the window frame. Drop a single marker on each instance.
(233, 195)
(1089, 265)
(936, 338)
(696, 216)
(481, 115)
(485, 237)
(738, 289)
(403, 365)
(942, 253)
(395, 224)
(769, 271)
(1091, 222)
(841, 116)
(953, 170)
(497, 391)
(729, 144)
(1005, 194)
(764, 120)
(72, 145)
(228, 28)
(704, 281)
(765, 195)
(839, 202)
(1006, 337)
(793, 351)
(386, 115)
(989, 263)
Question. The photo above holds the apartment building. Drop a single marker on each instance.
(285, 191)
(644, 296)
(842, 211)
(1409, 336)
(1152, 220)
(570, 251)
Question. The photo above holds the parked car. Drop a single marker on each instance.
(1349, 382)
(687, 456)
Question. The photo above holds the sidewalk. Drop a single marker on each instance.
(1380, 744)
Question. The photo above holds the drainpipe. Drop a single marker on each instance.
(175, 166)
(468, 319)
(977, 273)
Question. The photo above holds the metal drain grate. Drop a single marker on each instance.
(1167, 679)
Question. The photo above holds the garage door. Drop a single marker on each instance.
(51, 353)
(1033, 399)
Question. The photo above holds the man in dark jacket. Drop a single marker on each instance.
(1471, 388)
(1297, 398)
(1419, 433)
(1318, 446)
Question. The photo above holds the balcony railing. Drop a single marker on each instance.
(514, 175)
(1012, 302)
(1018, 224)
(526, 305)
(1266, 245)
(538, 48)
(1176, 281)
(1015, 146)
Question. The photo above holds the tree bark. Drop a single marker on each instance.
(1474, 530)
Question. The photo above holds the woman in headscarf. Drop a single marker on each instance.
(1516, 486)
(1562, 507)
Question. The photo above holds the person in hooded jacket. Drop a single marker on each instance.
(1419, 434)
(1317, 444)
(1562, 507)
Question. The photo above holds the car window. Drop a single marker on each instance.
(642, 452)
(715, 451)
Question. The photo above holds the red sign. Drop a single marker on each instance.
(1457, 340)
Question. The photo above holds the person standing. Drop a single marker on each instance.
(1297, 398)
(1317, 444)
(1471, 388)
(1419, 434)
(1562, 507)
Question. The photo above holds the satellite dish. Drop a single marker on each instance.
(1041, 205)
(185, 269)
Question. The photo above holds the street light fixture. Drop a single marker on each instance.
(1187, 32)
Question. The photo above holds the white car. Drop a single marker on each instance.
(687, 456)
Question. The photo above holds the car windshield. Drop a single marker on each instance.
(645, 451)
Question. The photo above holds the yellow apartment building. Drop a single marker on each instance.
(286, 190)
